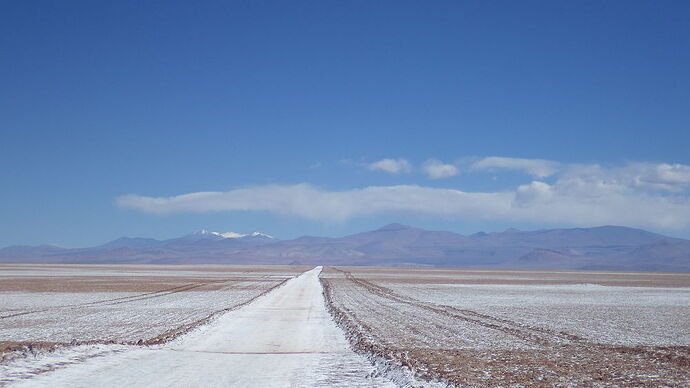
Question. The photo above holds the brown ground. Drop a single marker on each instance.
(146, 283)
(527, 277)
(127, 278)
(469, 348)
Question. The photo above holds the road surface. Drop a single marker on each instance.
(285, 338)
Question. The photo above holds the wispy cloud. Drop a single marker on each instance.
(636, 175)
(391, 166)
(537, 168)
(636, 194)
(436, 169)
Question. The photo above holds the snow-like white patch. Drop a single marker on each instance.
(616, 315)
(114, 316)
(36, 361)
(205, 232)
(284, 338)
(229, 234)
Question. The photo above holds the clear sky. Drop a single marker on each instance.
(157, 118)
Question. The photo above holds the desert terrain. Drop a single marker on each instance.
(524, 328)
(45, 306)
(156, 325)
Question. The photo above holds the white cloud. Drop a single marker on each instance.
(637, 175)
(535, 192)
(391, 166)
(538, 168)
(573, 200)
(640, 194)
(306, 201)
(435, 169)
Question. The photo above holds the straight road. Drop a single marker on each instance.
(286, 338)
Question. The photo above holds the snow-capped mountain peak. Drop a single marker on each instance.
(207, 233)
(259, 234)
(203, 232)
(229, 235)
(240, 235)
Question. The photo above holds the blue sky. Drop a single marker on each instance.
(530, 115)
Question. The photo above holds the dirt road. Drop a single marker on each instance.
(285, 338)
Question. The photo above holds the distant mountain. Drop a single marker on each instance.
(545, 257)
(204, 234)
(199, 235)
(199, 246)
(131, 242)
(605, 247)
(21, 251)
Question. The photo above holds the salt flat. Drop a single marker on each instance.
(284, 338)
(519, 328)
(68, 304)
(267, 326)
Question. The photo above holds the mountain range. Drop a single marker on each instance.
(598, 248)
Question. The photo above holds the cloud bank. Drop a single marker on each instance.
(636, 194)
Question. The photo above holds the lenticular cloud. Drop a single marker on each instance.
(568, 201)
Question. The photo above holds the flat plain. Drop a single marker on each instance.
(459, 327)
(285, 338)
(43, 304)
(526, 328)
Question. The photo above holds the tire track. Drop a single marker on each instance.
(34, 349)
(166, 336)
(534, 334)
(398, 330)
(127, 299)
(178, 331)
